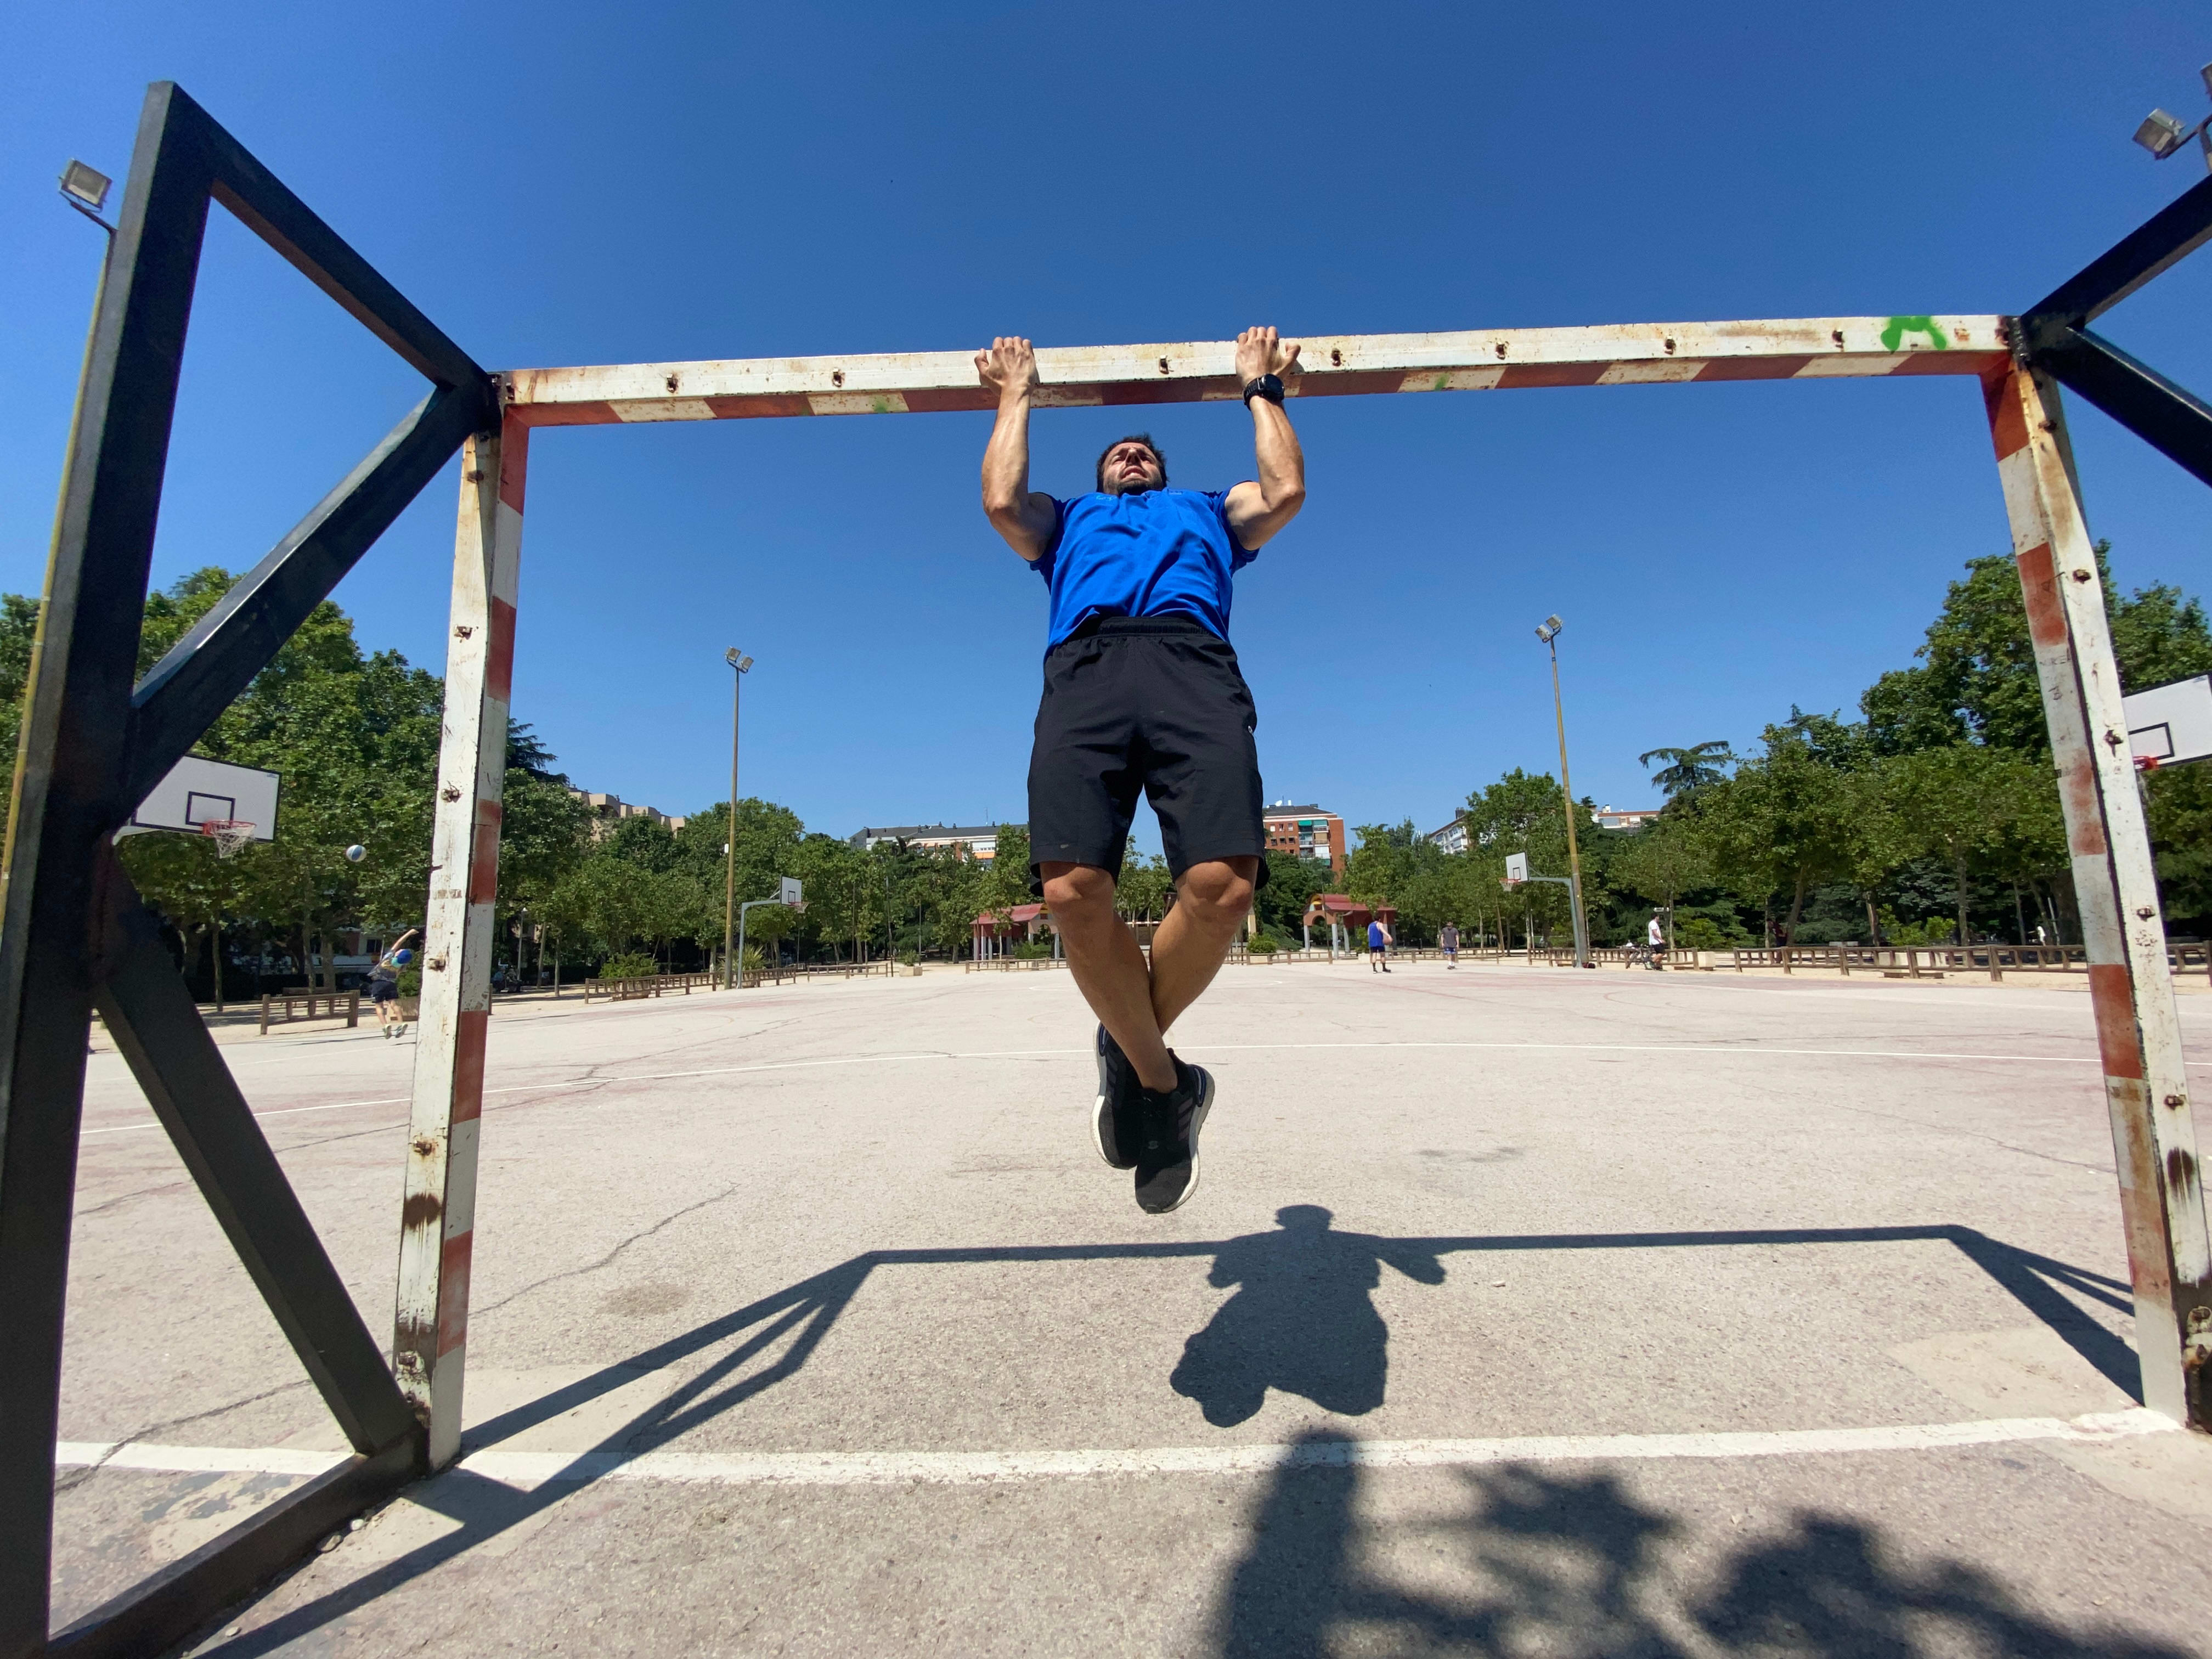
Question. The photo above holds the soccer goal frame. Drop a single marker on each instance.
(75, 937)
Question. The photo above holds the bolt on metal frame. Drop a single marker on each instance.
(74, 936)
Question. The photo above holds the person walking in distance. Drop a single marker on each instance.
(1447, 942)
(1657, 935)
(1142, 691)
(1379, 940)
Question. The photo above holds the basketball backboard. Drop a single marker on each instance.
(199, 790)
(1516, 868)
(2170, 724)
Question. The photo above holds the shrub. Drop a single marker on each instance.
(630, 964)
(1262, 946)
(1031, 950)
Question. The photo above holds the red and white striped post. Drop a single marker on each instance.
(438, 1217)
(2131, 986)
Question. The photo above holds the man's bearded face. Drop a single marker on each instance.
(1131, 469)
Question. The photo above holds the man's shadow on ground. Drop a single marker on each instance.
(1302, 1319)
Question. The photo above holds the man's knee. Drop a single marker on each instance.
(1220, 888)
(1069, 889)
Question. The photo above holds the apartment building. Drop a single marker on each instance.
(611, 809)
(979, 842)
(1305, 832)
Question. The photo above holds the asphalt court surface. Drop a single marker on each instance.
(1519, 1311)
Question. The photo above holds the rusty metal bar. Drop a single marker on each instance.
(438, 1215)
(1634, 353)
(2116, 886)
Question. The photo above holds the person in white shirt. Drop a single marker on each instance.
(1657, 935)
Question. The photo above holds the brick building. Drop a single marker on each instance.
(1306, 832)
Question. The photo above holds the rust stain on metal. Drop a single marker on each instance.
(451, 792)
(1164, 369)
(424, 1144)
(1336, 359)
(2111, 1002)
(1669, 344)
(836, 377)
(673, 380)
(1501, 348)
(420, 1210)
(2180, 1172)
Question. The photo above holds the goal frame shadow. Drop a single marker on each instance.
(76, 937)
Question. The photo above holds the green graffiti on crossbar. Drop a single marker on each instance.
(1900, 327)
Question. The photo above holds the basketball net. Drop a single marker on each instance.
(228, 834)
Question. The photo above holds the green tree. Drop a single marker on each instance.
(1781, 825)
(1976, 680)
(1662, 861)
(1687, 770)
(1974, 807)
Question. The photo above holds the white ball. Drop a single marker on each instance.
(356, 853)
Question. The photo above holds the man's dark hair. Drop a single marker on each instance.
(1144, 437)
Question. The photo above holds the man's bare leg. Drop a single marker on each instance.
(1109, 966)
(1212, 901)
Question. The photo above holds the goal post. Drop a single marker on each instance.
(2131, 988)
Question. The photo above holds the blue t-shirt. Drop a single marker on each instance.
(1374, 935)
(1159, 553)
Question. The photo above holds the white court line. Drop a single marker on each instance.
(965, 1469)
(1030, 1053)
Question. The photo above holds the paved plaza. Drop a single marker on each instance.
(1520, 1312)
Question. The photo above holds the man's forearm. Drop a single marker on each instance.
(1006, 456)
(1282, 464)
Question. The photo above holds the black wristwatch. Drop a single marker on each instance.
(1269, 387)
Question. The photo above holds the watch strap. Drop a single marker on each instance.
(1269, 387)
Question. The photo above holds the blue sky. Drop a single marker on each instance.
(559, 184)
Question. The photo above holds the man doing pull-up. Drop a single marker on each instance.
(1142, 691)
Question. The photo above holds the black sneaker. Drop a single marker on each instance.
(1113, 1117)
(1167, 1157)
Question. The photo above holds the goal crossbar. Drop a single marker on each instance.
(1331, 365)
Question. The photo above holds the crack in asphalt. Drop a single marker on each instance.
(607, 1259)
(80, 1475)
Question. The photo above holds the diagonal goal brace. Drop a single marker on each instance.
(72, 933)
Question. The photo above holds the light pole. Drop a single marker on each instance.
(742, 664)
(1548, 631)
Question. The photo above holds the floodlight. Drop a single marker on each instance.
(1549, 629)
(737, 660)
(2160, 134)
(86, 185)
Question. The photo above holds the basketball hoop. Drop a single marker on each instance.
(228, 834)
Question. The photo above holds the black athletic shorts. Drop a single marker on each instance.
(1155, 703)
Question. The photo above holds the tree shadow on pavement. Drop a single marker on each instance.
(1576, 1565)
(1301, 1319)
